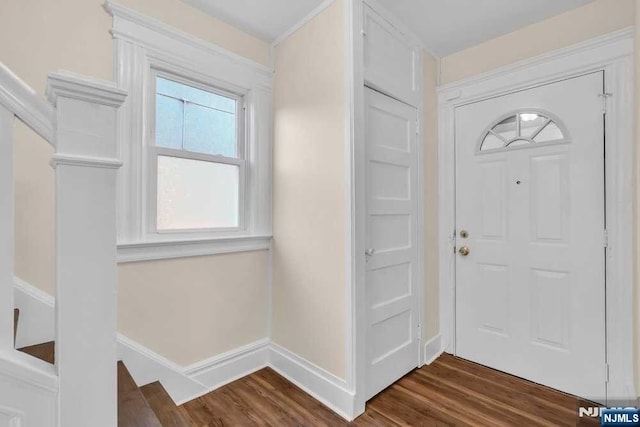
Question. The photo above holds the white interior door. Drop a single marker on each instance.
(392, 337)
(530, 293)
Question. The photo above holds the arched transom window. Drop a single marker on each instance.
(521, 129)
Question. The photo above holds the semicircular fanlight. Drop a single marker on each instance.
(524, 128)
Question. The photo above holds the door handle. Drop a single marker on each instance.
(370, 252)
(464, 251)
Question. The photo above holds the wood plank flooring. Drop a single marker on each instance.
(449, 392)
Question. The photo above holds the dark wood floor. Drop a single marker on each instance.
(450, 391)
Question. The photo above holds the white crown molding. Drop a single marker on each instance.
(302, 22)
(118, 11)
(489, 81)
(27, 105)
(74, 86)
(148, 251)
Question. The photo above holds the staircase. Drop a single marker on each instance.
(78, 381)
(147, 406)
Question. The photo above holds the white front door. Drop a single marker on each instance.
(530, 212)
(392, 337)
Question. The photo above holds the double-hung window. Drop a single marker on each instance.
(195, 141)
(196, 152)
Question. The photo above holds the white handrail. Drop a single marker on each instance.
(27, 105)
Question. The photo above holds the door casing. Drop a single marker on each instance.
(613, 54)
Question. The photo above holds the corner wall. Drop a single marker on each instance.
(309, 206)
(41, 36)
(594, 19)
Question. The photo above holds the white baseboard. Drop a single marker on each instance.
(146, 367)
(36, 325)
(230, 366)
(322, 385)
(433, 349)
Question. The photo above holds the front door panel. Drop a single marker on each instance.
(530, 195)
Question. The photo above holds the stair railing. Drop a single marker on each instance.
(80, 122)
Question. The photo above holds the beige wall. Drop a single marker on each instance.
(201, 306)
(431, 318)
(40, 36)
(309, 209)
(594, 19)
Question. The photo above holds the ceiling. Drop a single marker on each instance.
(445, 26)
(448, 26)
(266, 19)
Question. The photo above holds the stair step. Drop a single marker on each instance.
(164, 407)
(133, 408)
(45, 352)
(16, 316)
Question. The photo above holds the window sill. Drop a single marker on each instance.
(157, 250)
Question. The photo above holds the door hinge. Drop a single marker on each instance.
(606, 372)
(604, 96)
(418, 127)
(606, 238)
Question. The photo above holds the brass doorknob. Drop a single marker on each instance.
(464, 251)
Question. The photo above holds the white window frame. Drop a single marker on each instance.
(153, 151)
(143, 49)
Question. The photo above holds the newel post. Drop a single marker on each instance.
(86, 163)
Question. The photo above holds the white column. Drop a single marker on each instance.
(86, 163)
(7, 227)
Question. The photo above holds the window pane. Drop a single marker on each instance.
(169, 122)
(194, 95)
(551, 132)
(491, 142)
(195, 120)
(210, 131)
(530, 122)
(506, 128)
(194, 194)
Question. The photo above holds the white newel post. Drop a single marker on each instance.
(86, 163)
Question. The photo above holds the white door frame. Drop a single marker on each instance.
(613, 54)
(356, 194)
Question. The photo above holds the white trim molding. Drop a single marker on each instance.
(142, 47)
(230, 366)
(356, 191)
(75, 86)
(302, 22)
(613, 54)
(132, 16)
(433, 349)
(26, 104)
(185, 383)
(149, 251)
(322, 385)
